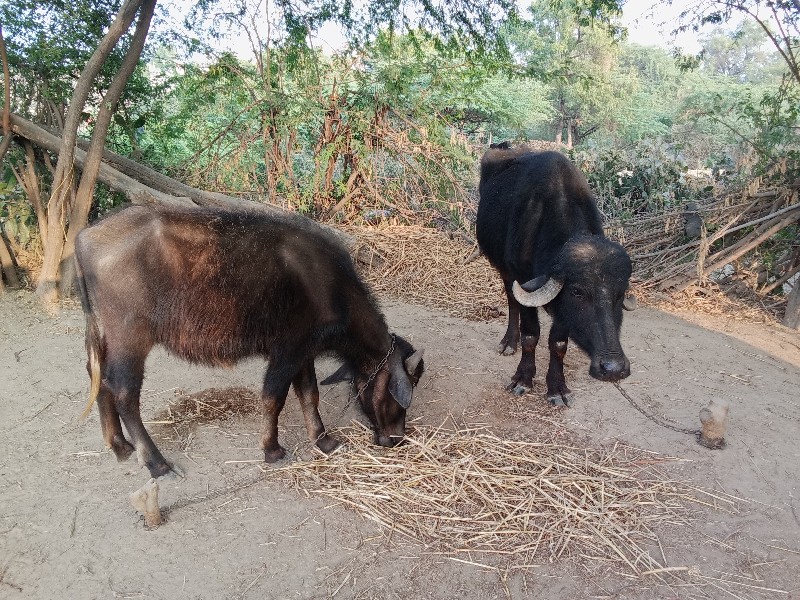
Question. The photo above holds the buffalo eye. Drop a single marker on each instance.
(578, 293)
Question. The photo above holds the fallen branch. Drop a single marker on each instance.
(160, 189)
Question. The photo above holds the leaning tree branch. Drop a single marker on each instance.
(159, 189)
(751, 243)
(786, 277)
(135, 192)
(723, 232)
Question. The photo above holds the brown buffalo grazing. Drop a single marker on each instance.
(214, 287)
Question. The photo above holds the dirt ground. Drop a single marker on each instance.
(67, 529)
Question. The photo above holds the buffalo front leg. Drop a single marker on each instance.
(522, 382)
(558, 394)
(508, 345)
(305, 386)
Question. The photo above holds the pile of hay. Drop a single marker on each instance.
(427, 267)
(471, 494)
(207, 406)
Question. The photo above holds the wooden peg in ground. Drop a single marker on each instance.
(145, 501)
(715, 420)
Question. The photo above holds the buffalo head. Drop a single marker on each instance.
(584, 290)
(385, 395)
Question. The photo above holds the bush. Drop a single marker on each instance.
(634, 181)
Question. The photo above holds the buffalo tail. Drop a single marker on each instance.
(94, 342)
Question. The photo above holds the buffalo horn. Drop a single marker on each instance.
(630, 302)
(412, 361)
(539, 296)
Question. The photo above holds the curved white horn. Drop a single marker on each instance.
(630, 302)
(412, 361)
(538, 297)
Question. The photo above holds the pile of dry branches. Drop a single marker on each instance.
(470, 494)
(734, 224)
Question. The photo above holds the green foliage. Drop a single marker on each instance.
(49, 43)
(633, 181)
(16, 215)
(451, 26)
(572, 46)
(743, 54)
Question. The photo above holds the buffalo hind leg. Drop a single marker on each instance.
(522, 382)
(276, 385)
(124, 378)
(508, 345)
(557, 391)
(305, 386)
(111, 426)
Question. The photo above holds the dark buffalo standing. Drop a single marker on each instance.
(539, 227)
(214, 287)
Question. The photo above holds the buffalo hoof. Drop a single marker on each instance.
(506, 349)
(272, 455)
(166, 472)
(517, 388)
(171, 473)
(565, 399)
(327, 443)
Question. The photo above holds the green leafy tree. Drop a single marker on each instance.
(780, 22)
(744, 54)
(572, 46)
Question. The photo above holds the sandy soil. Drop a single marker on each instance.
(67, 529)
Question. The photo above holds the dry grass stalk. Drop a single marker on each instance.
(471, 493)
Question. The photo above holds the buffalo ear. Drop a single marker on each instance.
(538, 291)
(630, 302)
(400, 389)
(343, 373)
(399, 384)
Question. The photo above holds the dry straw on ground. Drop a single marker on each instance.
(213, 405)
(428, 267)
(468, 493)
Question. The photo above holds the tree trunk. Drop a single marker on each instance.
(63, 179)
(79, 215)
(7, 100)
(559, 131)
